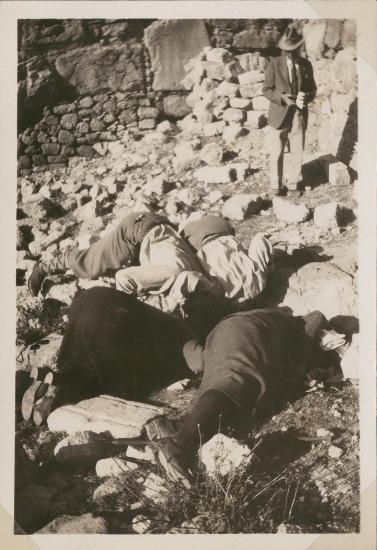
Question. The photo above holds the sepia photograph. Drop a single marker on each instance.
(187, 276)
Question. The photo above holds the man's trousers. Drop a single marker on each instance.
(295, 133)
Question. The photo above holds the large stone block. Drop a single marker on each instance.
(324, 287)
(120, 417)
(221, 455)
(327, 215)
(85, 524)
(241, 206)
(289, 212)
(171, 44)
(93, 69)
(175, 106)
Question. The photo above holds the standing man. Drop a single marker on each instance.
(290, 86)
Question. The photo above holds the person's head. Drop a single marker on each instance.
(290, 42)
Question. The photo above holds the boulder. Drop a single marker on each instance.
(221, 455)
(89, 210)
(288, 212)
(82, 447)
(321, 286)
(241, 206)
(240, 103)
(171, 44)
(350, 360)
(113, 466)
(212, 154)
(85, 524)
(175, 106)
(214, 128)
(184, 156)
(158, 185)
(46, 352)
(121, 418)
(90, 70)
(251, 77)
(232, 132)
(339, 174)
(327, 215)
(228, 89)
(256, 119)
(111, 494)
(233, 115)
(261, 103)
(218, 55)
(214, 174)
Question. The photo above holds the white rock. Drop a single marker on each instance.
(219, 55)
(350, 360)
(107, 467)
(214, 128)
(214, 196)
(190, 125)
(180, 385)
(241, 206)
(256, 119)
(164, 127)
(85, 524)
(141, 524)
(334, 452)
(84, 240)
(158, 185)
(222, 454)
(63, 292)
(261, 103)
(228, 89)
(327, 215)
(81, 446)
(188, 196)
(89, 210)
(155, 138)
(240, 103)
(250, 77)
(288, 212)
(233, 115)
(121, 418)
(321, 286)
(184, 156)
(232, 132)
(202, 114)
(322, 432)
(155, 489)
(212, 154)
(140, 454)
(116, 148)
(213, 174)
(101, 148)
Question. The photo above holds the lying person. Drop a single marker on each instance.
(247, 358)
(145, 239)
(113, 344)
(242, 274)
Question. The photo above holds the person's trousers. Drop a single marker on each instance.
(295, 133)
(260, 252)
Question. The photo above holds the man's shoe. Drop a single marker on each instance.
(36, 279)
(169, 457)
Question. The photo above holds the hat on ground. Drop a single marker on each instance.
(291, 39)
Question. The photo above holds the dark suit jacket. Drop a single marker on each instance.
(277, 82)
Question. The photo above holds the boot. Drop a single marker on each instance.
(54, 265)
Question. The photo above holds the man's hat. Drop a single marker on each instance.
(291, 39)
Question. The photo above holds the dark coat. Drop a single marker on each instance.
(119, 345)
(277, 82)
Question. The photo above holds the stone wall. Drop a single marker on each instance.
(84, 82)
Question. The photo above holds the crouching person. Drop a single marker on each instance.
(113, 344)
(147, 242)
(242, 273)
(246, 356)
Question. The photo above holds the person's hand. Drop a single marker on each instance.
(302, 100)
(288, 99)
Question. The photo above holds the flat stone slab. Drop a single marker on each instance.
(119, 417)
(171, 44)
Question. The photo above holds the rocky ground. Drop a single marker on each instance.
(290, 484)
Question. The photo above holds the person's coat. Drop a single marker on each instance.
(277, 82)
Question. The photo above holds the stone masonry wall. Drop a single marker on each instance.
(84, 82)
